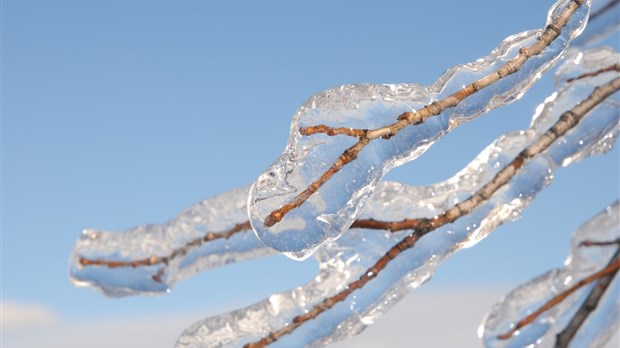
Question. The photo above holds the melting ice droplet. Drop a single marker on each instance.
(323, 206)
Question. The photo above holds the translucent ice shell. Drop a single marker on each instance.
(330, 211)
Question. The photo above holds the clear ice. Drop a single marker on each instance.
(150, 259)
(174, 250)
(329, 212)
(349, 257)
(582, 261)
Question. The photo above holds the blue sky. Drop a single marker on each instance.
(119, 113)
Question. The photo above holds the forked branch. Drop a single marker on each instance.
(407, 119)
(421, 227)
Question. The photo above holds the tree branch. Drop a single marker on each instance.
(605, 276)
(421, 227)
(568, 120)
(155, 260)
(603, 9)
(564, 338)
(420, 116)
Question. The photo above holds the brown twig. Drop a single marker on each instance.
(568, 120)
(564, 338)
(588, 243)
(609, 271)
(615, 67)
(551, 32)
(422, 226)
(603, 9)
(331, 131)
(155, 260)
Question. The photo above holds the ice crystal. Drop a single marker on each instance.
(329, 212)
(581, 262)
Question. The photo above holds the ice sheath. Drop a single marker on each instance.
(329, 212)
(349, 257)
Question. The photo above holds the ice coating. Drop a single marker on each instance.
(328, 213)
(602, 23)
(149, 259)
(581, 262)
(347, 258)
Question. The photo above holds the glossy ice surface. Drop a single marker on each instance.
(329, 212)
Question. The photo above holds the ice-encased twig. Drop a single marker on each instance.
(325, 214)
(150, 259)
(350, 257)
(603, 21)
(581, 263)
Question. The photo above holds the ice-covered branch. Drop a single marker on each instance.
(150, 259)
(589, 305)
(568, 303)
(566, 122)
(185, 241)
(602, 22)
(314, 192)
(606, 273)
(365, 272)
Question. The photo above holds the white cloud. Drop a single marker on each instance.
(426, 318)
(25, 316)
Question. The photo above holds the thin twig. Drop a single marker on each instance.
(419, 224)
(564, 338)
(609, 271)
(421, 227)
(603, 9)
(615, 67)
(588, 243)
(568, 120)
(155, 260)
(552, 31)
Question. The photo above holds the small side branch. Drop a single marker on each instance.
(615, 67)
(603, 9)
(587, 243)
(420, 116)
(332, 131)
